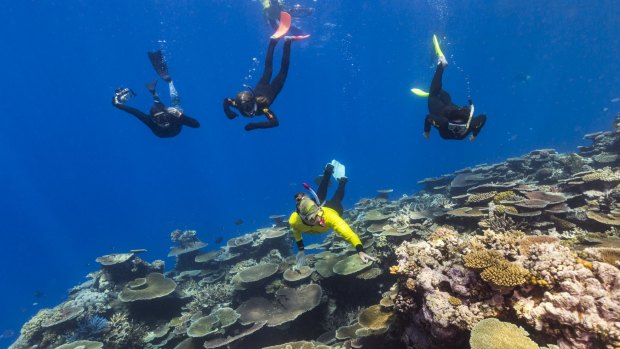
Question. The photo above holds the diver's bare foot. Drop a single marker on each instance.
(151, 86)
(296, 37)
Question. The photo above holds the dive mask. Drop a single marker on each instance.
(246, 101)
(309, 209)
(458, 129)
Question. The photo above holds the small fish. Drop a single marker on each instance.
(522, 77)
(219, 239)
(239, 221)
(38, 294)
(615, 100)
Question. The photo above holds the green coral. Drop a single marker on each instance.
(503, 195)
(480, 197)
(504, 209)
(493, 334)
(604, 175)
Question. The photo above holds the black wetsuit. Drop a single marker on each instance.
(446, 116)
(265, 92)
(336, 202)
(162, 123)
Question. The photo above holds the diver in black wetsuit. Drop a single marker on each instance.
(452, 121)
(272, 9)
(163, 122)
(256, 101)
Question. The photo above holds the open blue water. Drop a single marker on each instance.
(80, 179)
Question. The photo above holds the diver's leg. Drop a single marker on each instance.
(268, 63)
(327, 175)
(278, 81)
(152, 89)
(336, 201)
(436, 84)
(175, 100)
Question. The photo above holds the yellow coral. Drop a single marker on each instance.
(395, 269)
(540, 282)
(481, 259)
(410, 284)
(505, 274)
(503, 195)
(585, 263)
(454, 301)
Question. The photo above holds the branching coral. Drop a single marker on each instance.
(482, 259)
(503, 195)
(124, 333)
(505, 274)
(207, 295)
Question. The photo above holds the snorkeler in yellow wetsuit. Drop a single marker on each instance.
(310, 217)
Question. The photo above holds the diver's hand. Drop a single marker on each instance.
(231, 114)
(472, 138)
(366, 258)
(301, 259)
(427, 135)
(116, 101)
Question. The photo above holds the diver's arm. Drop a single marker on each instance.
(427, 125)
(272, 121)
(344, 230)
(298, 239)
(228, 102)
(189, 121)
(135, 112)
(476, 125)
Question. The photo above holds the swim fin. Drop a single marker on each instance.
(420, 93)
(339, 169)
(440, 55)
(159, 64)
(285, 25)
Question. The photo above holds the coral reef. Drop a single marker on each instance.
(474, 257)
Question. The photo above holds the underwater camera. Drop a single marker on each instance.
(123, 94)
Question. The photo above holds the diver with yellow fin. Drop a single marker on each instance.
(452, 121)
(256, 101)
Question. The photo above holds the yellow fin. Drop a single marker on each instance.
(437, 48)
(418, 92)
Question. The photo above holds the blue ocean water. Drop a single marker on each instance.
(81, 179)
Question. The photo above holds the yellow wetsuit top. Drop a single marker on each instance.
(332, 221)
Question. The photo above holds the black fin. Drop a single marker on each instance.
(159, 64)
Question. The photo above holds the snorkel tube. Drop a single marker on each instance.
(314, 195)
(318, 202)
(471, 113)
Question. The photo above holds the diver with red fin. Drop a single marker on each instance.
(256, 101)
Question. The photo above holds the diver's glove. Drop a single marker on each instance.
(301, 259)
(365, 257)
